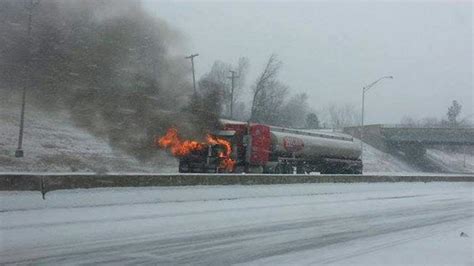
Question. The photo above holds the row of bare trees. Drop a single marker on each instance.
(271, 101)
(452, 119)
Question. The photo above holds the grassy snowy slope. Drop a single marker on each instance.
(53, 144)
(456, 162)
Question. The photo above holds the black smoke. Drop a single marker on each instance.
(119, 71)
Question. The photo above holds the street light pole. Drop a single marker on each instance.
(19, 150)
(192, 67)
(362, 125)
(364, 90)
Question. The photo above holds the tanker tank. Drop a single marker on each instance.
(324, 152)
(301, 143)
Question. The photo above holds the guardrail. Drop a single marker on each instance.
(50, 182)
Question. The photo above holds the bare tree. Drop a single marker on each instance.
(312, 121)
(206, 107)
(218, 79)
(269, 104)
(408, 121)
(342, 115)
(241, 111)
(430, 122)
(294, 111)
(267, 90)
(453, 112)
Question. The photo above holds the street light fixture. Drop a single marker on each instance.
(364, 90)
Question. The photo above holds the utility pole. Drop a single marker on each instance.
(232, 77)
(19, 150)
(192, 67)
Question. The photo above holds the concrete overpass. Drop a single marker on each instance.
(428, 136)
(412, 141)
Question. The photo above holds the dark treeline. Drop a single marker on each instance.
(119, 71)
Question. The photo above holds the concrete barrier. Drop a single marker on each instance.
(50, 182)
(20, 182)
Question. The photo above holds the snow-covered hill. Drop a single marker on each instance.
(455, 162)
(376, 161)
(53, 144)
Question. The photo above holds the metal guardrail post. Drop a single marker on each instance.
(43, 188)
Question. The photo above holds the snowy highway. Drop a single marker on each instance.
(399, 223)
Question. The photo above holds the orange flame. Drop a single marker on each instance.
(180, 148)
(177, 146)
(226, 162)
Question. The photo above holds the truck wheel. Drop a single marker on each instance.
(278, 169)
(300, 170)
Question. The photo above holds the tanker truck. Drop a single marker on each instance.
(259, 148)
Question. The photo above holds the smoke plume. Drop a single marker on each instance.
(119, 71)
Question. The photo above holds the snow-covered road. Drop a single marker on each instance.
(377, 223)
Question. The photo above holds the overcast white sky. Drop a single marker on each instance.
(332, 49)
